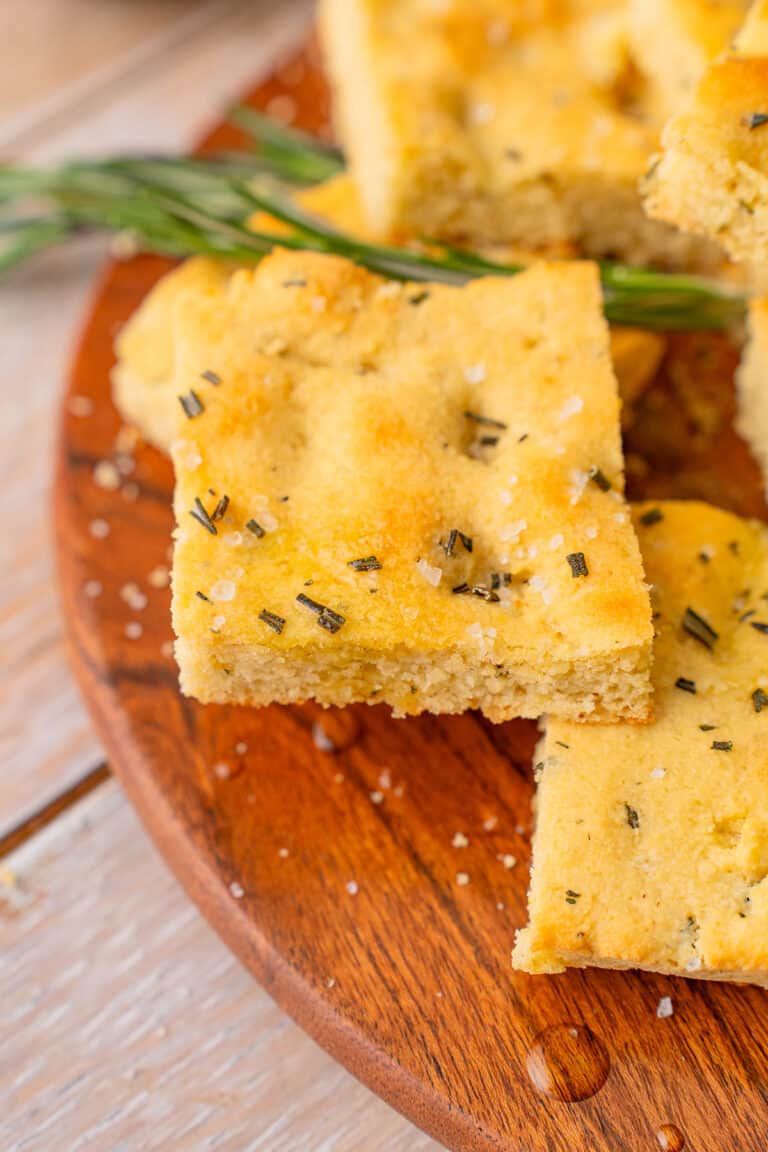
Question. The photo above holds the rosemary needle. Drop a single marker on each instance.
(183, 207)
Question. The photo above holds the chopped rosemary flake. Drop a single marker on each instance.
(571, 897)
(460, 589)
(192, 404)
(759, 699)
(486, 421)
(326, 617)
(747, 615)
(707, 727)
(652, 516)
(696, 626)
(202, 596)
(632, 817)
(489, 441)
(733, 547)
(466, 541)
(365, 564)
(484, 593)
(254, 526)
(686, 685)
(419, 298)
(272, 620)
(450, 543)
(220, 510)
(523, 437)
(201, 515)
(578, 564)
(759, 626)
(330, 621)
(294, 283)
(757, 120)
(500, 578)
(599, 477)
(722, 745)
(704, 557)
(562, 744)
(211, 377)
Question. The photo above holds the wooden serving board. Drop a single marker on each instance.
(323, 845)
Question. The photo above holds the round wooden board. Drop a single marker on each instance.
(332, 873)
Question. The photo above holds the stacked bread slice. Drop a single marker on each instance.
(413, 494)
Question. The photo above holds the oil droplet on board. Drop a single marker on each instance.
(567, 1062)
(670, 1138)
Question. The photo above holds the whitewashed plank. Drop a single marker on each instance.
(127, 1024)
(45, 738)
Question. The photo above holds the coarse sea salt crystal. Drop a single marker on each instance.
(223, 590)
(475, 631)
(483, 113)
(658, 773)
(506, 498)
(591, 532)
(99, 529)
(188, 453)
(459, 840)
(694, 964)
(431, 573)
(475, 374)
(237, 890)
(513, 530)
(133, 630)
(665, 1008)
(462, 879)
(352, 887)
(106, 475)
(572, 406)
(556, 541)
(92, 589)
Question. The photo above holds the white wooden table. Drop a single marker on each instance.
(126, 1024)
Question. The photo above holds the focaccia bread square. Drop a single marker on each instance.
(712, 175)
(499, 129)
(406, 493)
(651, 844)
(673, 41)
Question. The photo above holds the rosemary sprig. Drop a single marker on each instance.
(182, 207)
(294, 156)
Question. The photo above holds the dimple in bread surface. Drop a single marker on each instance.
(357, 417)
(650, 845)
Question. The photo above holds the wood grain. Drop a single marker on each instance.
(46, 739)
(333, 874)
(128, 1025)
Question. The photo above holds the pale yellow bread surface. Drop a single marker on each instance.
(712, 176)
(143, 375)
(340, 425)
(673, 41)
(498, 130)
(752, 385)
(651, 844)
(144, 351)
